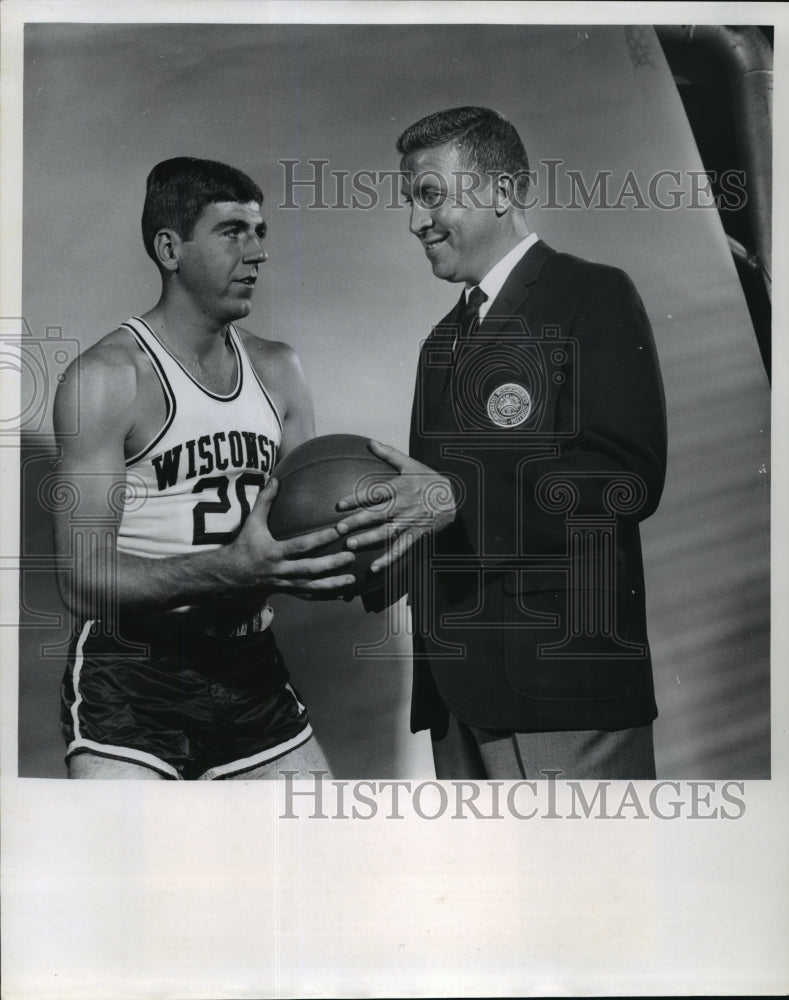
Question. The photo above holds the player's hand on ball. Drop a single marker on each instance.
(266, 564)
(416, 502)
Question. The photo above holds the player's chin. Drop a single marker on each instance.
(238, 308)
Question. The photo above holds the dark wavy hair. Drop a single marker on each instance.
(487, 142)
(178, 190)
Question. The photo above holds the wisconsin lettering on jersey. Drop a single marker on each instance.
(202, 456)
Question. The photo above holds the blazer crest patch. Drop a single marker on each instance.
(509, 405)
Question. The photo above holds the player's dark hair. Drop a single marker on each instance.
(178, 190)
(487, 142)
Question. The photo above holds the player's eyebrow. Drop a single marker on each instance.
(260, 228)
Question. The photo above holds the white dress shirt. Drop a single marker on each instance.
(494, 280)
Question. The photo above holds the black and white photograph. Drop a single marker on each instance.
(388, 434)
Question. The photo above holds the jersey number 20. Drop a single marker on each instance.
(222, 505)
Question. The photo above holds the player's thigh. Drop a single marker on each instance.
(308, 757)
(89, 765)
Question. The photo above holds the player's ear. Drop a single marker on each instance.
(167, 247)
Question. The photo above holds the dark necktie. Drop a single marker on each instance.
(470, 312)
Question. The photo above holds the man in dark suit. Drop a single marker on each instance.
(539, 401)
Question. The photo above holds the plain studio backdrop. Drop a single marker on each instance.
(348, 287)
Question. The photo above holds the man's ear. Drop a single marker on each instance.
(167, 247)
(503, 190)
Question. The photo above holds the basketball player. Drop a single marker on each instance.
(173, 670)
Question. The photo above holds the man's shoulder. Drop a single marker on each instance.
(103, 379)
(114, 357)
(267, 354)
(115, 350)
(274, 361)
(569, 265)
(591, 288)
(277, 366)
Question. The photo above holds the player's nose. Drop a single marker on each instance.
(255, 252)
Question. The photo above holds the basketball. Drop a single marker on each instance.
(312, 478)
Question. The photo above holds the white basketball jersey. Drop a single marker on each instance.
(191, 488)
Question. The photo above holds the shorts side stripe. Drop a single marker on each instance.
(264, 757)
(302, 708)
(78, 661)
(105, 750)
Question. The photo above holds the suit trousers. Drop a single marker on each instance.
(467, 752)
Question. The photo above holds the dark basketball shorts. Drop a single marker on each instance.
(186, 704)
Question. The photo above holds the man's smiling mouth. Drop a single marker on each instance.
(431, 245)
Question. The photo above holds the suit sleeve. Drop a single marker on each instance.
(615, 462)
(396, 584)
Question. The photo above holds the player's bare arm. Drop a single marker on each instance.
(110, 386)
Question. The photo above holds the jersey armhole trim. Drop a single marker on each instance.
(258, 379)
(169, 397)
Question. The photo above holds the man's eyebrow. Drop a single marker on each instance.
(260, 228)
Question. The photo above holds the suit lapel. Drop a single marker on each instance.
(516, 289)
(436, 363)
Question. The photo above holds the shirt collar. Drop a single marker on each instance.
(494, 280)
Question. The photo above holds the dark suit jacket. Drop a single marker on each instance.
(529, 610)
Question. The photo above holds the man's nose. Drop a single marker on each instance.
(420, 218)
(255, 252)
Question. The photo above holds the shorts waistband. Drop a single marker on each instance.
(195, 622)
(259, 621)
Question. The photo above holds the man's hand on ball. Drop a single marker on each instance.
(261, 562)
(412, 504)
